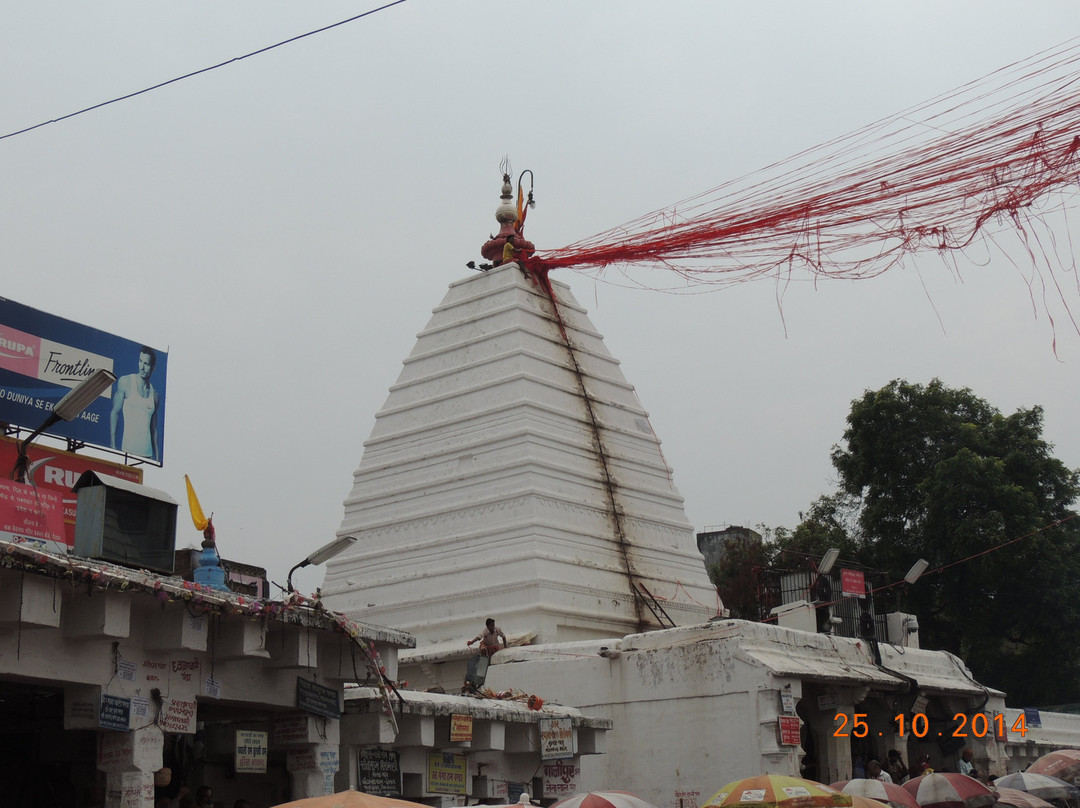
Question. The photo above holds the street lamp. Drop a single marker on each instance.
(917, 569)
(322, 555)
(67, 409)
(827, 561)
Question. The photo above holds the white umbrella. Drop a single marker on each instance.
(1042, 786)
(949, 790)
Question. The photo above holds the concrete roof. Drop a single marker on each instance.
(791, 653)
(138, 582)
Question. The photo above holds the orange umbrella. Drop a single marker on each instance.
(777, 791)
(350, 799)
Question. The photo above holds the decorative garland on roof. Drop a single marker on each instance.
(99, 575)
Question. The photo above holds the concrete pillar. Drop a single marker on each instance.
(312, 770)
(834, 754)
(129, 790)
(314, 758)
(129, 760)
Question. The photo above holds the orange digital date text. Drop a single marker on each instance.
(977, 726)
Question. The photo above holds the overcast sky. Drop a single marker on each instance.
(283, 226)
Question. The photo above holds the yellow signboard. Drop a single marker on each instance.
(446, 773)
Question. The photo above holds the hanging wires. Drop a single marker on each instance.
(997, 154)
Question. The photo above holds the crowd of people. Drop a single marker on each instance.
(894, 770)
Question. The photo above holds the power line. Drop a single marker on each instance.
(199, 72)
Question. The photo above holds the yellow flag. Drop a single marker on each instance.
(197, 515)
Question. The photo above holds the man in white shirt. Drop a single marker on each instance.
(875, 772)
(967, 765)
(489, 638)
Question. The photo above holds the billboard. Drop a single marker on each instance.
(55, 471)
(43, 356)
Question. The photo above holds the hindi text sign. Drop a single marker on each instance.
(380, 772)
(314, 698)
(561, 778)
(557, 741)
(460, 728)
(789, 730)
(446, 773)
(251, 750)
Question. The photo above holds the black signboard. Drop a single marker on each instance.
(114, 712)
(317, 699)
(380, 772)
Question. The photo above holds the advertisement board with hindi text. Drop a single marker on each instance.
(56, 471)
(42, 357)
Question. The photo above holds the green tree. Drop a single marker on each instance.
(831, 521)
(938, 473)
(736, 575)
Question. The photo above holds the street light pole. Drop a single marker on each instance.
(67, 409)
(322, 555)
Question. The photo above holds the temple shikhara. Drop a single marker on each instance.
(513, 471)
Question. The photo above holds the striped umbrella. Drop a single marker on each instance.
(604, 799)
(949, 790)
(777, 791)
(890, 793)
(1019, 799)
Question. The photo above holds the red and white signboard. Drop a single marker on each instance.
(789, 730)
(852, 584)
(56, 471)
(32, 516)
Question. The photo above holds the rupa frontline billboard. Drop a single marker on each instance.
(43, 356)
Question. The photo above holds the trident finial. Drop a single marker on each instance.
(510, 242)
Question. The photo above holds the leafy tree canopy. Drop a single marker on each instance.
(938, 473)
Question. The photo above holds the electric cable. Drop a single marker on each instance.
(201, 71)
